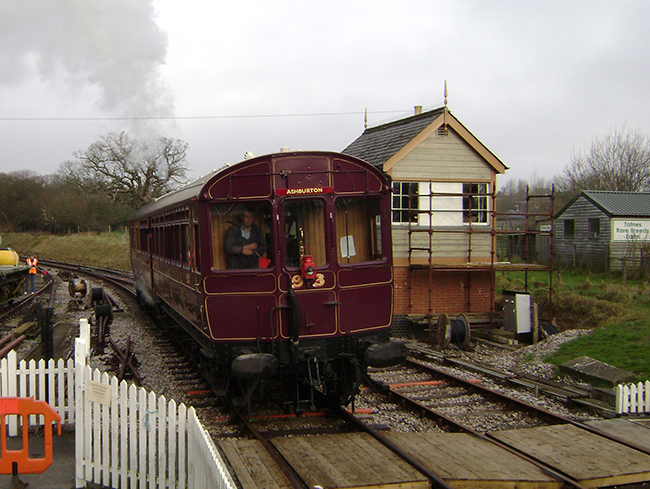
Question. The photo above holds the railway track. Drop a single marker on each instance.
(424, 399)
(428, 391)
(580, 397)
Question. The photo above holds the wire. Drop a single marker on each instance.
(197, 117)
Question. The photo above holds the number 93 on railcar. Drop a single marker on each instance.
(280, 268)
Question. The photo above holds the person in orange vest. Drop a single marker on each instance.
(32, 262)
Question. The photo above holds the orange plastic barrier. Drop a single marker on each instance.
(25, 406)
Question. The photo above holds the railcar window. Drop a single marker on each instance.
(197, 248)
(144, 230)
(156, 241)
(358, 230)
(134, 237)
(185, 245)
(304, 230)
(229, 215)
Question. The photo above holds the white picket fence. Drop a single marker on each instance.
(125, 437)
(633, 398)
(44, 381)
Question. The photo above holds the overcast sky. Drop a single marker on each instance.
(534, 81)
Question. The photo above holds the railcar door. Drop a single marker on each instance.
(306, 261)
(365, 269)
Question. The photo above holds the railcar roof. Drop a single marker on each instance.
(192, 190)
(187, 192)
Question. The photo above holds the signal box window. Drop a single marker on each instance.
(475, 202)
(405, 202)
(304, 231)
(358, 230)
(225, 216)
(569, 228)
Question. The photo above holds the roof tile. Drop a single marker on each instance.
(378, 144)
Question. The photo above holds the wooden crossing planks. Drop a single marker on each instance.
(627, 430)
(350, 461)
(357, 461)
(465, 461)
(590, 459)
(252, 464)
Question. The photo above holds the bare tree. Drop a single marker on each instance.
(21, 195)
(512, 196)
(128, 170)
(619, 161)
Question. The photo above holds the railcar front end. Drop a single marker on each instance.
(314, 308)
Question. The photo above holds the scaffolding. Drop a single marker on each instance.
(530, 231)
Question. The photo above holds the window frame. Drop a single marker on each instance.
(572, 234)
(593, 228)
(222, 216)
(476, 204)
(370, 242)
(321, 255)
(405, 191)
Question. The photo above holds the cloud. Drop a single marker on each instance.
(111, 46)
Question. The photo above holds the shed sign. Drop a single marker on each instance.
(628, 229)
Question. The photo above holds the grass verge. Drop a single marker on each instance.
(617, 312)
(108, 250)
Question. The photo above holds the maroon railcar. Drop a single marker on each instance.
(316, 308)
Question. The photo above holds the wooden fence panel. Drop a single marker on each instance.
(633, 398)
(43, 381)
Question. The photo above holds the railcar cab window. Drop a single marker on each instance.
(241, 236)
(358, 230)
(304, 231)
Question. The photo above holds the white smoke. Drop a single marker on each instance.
(112, 46)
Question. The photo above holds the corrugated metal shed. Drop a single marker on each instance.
(612, 203)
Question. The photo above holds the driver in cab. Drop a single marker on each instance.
(245, 243)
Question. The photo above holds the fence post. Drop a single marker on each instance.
(81, 350)
(12, 390)
(84, 331)
(619, 399)
(633, 398)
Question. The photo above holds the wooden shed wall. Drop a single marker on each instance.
(582, 250)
